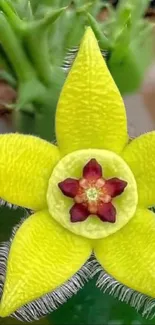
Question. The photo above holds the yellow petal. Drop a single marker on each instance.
(26, 163)
(43, 256)
(129, 254)
(90, 112)
(140, 156)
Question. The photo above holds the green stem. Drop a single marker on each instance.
(13, 48)
(41, 123)
(36, 38)
(14, 20)
(84, 7)
(5, 75)
(24, 122)
(45, 22)
(37, 44)
(105, 43)
(44, 124)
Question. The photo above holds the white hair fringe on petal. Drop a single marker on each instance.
(51, 301)
(143, 304)
(4, 203)
(71, 55)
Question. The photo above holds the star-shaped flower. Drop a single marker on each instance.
(90, 193)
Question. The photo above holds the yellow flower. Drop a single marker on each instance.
(48, 256)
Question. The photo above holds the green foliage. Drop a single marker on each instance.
(35, 36)
(128, 37)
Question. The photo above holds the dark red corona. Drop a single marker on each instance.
(92, 194)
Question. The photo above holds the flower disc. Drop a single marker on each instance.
(71, 166)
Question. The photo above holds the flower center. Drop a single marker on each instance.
(92, 194)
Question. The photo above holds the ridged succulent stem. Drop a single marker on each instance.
(13, 48)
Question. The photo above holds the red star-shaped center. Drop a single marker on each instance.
(92, 194)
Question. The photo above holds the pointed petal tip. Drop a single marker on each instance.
(22, 284)
(115, 186)
(69, 187)
(92, 170)
(5, 311)
(89, 37)
(89, 32)
(78, 213)
(107, 212)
